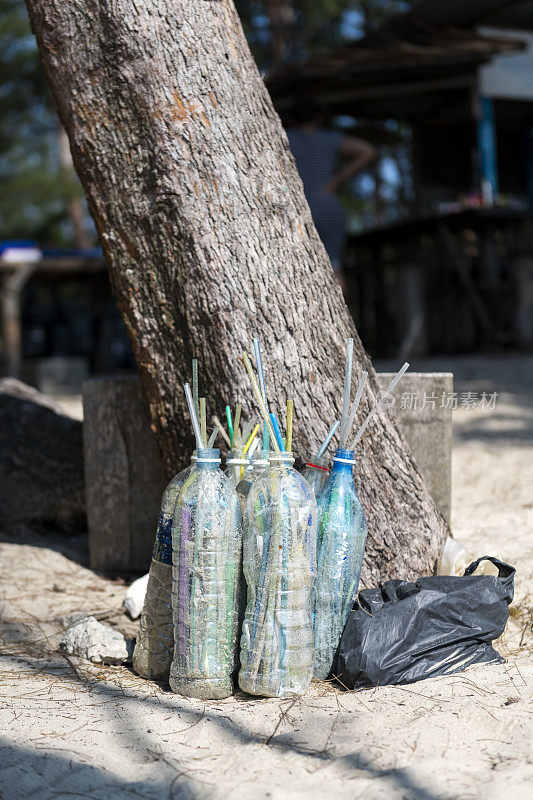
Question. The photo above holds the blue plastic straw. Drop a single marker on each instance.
(261, 376)
(327, 440)
(277, 431)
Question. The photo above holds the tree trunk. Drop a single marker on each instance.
(209, 239)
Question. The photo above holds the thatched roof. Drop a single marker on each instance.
(413, 70)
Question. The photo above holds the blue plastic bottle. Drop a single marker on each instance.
(340, 548)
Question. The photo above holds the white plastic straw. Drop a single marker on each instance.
(215, 420)
(194, 419)
(195, 384)
(213, 437)
(357, 400)
(392, 384)
(378, 405)
(323, 447)
(347, 390)
(254, 446)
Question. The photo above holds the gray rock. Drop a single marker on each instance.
(41, 462)
(87, 638)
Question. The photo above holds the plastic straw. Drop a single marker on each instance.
(323, 447)
(259, 367)
(194, 418)
(250, 439)
(215, 420)
(357, 400)
(277, 431)
(347, 390)
(230, 423)
(377, 407)
(395, 380)
(213, 437)
(290, 412)
(203, 421)
(236, 422)
(253, 447)
(195, 384)
(260, 401)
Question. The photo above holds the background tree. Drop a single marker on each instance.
(209, 239)
(279, 31)
(41, 196)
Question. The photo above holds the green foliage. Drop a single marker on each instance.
(34, 189)
(285, 30)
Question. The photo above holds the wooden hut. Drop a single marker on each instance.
(456, 272)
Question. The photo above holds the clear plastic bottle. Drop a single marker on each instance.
(236, 466)
(279, 539)
(257, 465)
(340, 548)
(206, 549)
(155, 639)
(316, 472)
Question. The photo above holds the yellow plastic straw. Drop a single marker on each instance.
(203, 421)
(236, 422)
(290, 411)
(260, 403)
(250, 439)
(215, 420)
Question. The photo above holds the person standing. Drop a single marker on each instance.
(318, 153)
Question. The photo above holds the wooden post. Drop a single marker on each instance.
(11, 288)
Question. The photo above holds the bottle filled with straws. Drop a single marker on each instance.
(206, 555)
(207, 544)
(341, 541)
(155, 640)
(279, 566)
(342, 528)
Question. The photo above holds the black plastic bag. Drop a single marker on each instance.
(402, 632)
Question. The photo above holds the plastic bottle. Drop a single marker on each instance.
(279, 538)
(257, 465)
(316, 472)
(155, 639)
(340, 548)
(206, 550)
(236, 466)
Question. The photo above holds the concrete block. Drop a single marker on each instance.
(426, 424)
(124, 476)
(61, 374)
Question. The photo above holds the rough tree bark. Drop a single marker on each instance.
(209, 239)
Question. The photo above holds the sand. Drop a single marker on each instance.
(70, 729)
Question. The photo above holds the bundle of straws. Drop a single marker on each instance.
(242, 443)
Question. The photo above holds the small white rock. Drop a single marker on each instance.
(134, 598)
(87, 638)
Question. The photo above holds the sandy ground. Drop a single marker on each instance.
(73, 730)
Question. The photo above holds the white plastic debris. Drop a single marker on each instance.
(455, 559)
(87, 638)
(134, 597)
